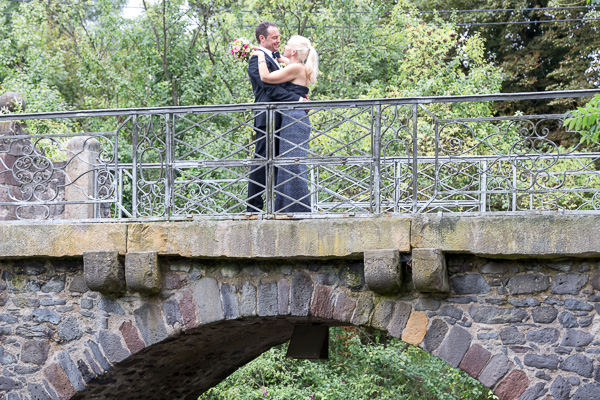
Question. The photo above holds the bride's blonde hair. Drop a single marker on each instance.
(307, 54)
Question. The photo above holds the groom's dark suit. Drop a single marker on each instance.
(263, 93)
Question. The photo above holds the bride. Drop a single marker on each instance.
(301, 71)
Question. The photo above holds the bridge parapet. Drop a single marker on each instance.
(364, 157)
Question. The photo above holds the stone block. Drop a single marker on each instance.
(142, 272)
(283, 297)
(301, 292)
(7, 384)
(435, 335)
(534, 392)
(578, 363)
(112, 346)
(469, 284)
(586, 392)
(35, 351)
(576, 338)
(281, 239)
(507, 235)
(399, 319)
(208, 301)
(188, 309)
(344, 307)
(416, 328)
(150, 322)
(511, 335)
(322, 304)
(429, 272)
(544, 314)
(383, 273)
(545, 335)
(560, 388)
(495, 369)
(230, 302)
(497, 315)
(73, 374)
(69, 329)
(382, 314)
(363, 309)
(172, 312)
(475, 359)
(131, 336)
(568, 283)
(267, 298)
(58, 378)
(512, 386)
(103, 272)
(455, 346)
(528, 283)
(541, 361)
(248, 300)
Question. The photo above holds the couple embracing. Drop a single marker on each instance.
(270, 83)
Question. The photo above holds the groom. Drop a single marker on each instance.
(267, 35)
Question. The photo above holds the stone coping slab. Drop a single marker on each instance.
(61, 240)
(272, 239)
(509, 236)
(504, 236)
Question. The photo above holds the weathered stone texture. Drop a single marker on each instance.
(150, 322)
(142, 272)
(495, 369)
(430, 274)
(104, 272)
(528, 283)
(482, 326)
(455, 345)
(35, 351)
(131, 336)
(383, 273)
(322, 304)
(416, 328)
(474, 360)
(512, 386)
(435, 335)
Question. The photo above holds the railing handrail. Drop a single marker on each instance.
(303, 105)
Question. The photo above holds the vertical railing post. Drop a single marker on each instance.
(483, 186)
(415, 165)
(514, 190)
(118, 177)
(169, 124)
(134, 168)
(270, 168)
(376, 168)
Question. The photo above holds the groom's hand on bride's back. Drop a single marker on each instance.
(305, 98)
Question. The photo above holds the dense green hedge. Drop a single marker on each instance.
(362, 365)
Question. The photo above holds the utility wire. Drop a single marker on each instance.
(545, 21)
(509, 9)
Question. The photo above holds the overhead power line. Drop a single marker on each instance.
(509, 9)
(545, 21)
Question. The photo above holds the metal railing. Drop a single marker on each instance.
(334, 158)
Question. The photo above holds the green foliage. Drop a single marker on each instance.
(586, 120)
(376, 367)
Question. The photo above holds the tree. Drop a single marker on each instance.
(362, 365)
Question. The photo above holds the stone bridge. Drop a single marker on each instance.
(168, 309)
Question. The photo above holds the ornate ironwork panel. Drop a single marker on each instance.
(331, 158)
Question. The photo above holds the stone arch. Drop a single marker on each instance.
(500, 324)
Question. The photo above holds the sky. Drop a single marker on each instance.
(133, 9)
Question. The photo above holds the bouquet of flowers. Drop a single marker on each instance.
(241, 49)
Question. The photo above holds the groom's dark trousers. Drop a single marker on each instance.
(263, 93)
